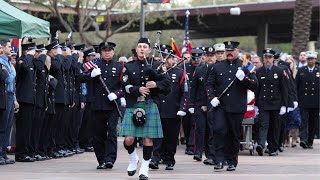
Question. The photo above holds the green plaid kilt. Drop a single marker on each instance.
(151, 129)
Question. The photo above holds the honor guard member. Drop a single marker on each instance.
(307, 80)
(228, 107)
(292, 97)
(86, 130)
(142, 85)
(172, 108)
(26, 96)
(77, 97)
(105, 112)
(220, 52)
(198, 103)
(60, 64)
(271, 96)
(187, 120)
(41, 101)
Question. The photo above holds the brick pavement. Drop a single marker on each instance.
(294, 163)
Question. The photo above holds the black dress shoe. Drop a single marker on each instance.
(169, 167)
(281, 148)
(39, 158)
(8, 160)
(102, 166)
(231, 168)
(153, 165)
(209, 162)
(2, 161)
(109, 165)
(303, 145)
(25, 159)
(218, 167)
(79, 151)
(197, 157)
(273, 154)
(143, 177)
(259, 150)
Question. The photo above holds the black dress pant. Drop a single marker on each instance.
(209, 143)
(38, 121)
(86, 131)
(23, 129)
(269, 129)
(166, 147)
(200, 119)
(226, 135)
(309, 123)
(188, 128)
(105, 135)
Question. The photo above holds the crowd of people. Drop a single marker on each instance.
(67, 99)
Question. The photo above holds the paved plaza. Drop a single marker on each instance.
(294, 163)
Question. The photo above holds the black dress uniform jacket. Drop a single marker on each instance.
(58, 67)
(272, 92)
(198, 93)
(42, 84)
(136, 74)
(26, 76)
(308, 87)
(77, 90)
(3, 95)
(176, 100)
(235, 98)
(111, 75)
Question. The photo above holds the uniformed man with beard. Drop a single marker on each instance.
(229, 107)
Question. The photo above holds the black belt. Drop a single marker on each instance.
(10, 93)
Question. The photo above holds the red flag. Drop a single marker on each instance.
(89, 65)
(175, 47)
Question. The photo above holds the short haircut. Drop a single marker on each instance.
(3, 42)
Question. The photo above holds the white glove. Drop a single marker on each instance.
(215, 102)
(240, 74)
(95, 72)
(282, 110)
(191, 110)
(44, 52)
(256, 110)
(31, 52)
(204, 108)
(123, 102)
(181, 113)
(295, 105)
(112, 96)
(59, 51)
(290, 109)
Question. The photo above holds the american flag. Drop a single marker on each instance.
(186, 43)
(89, 65)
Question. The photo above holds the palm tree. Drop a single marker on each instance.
(301, 26)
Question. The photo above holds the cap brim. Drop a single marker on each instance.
(91, 54)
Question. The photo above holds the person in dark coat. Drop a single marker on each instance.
(172, 108)
(272, 101)
(307, 80)
(26, 96)
(142, 85)
(228, 108)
